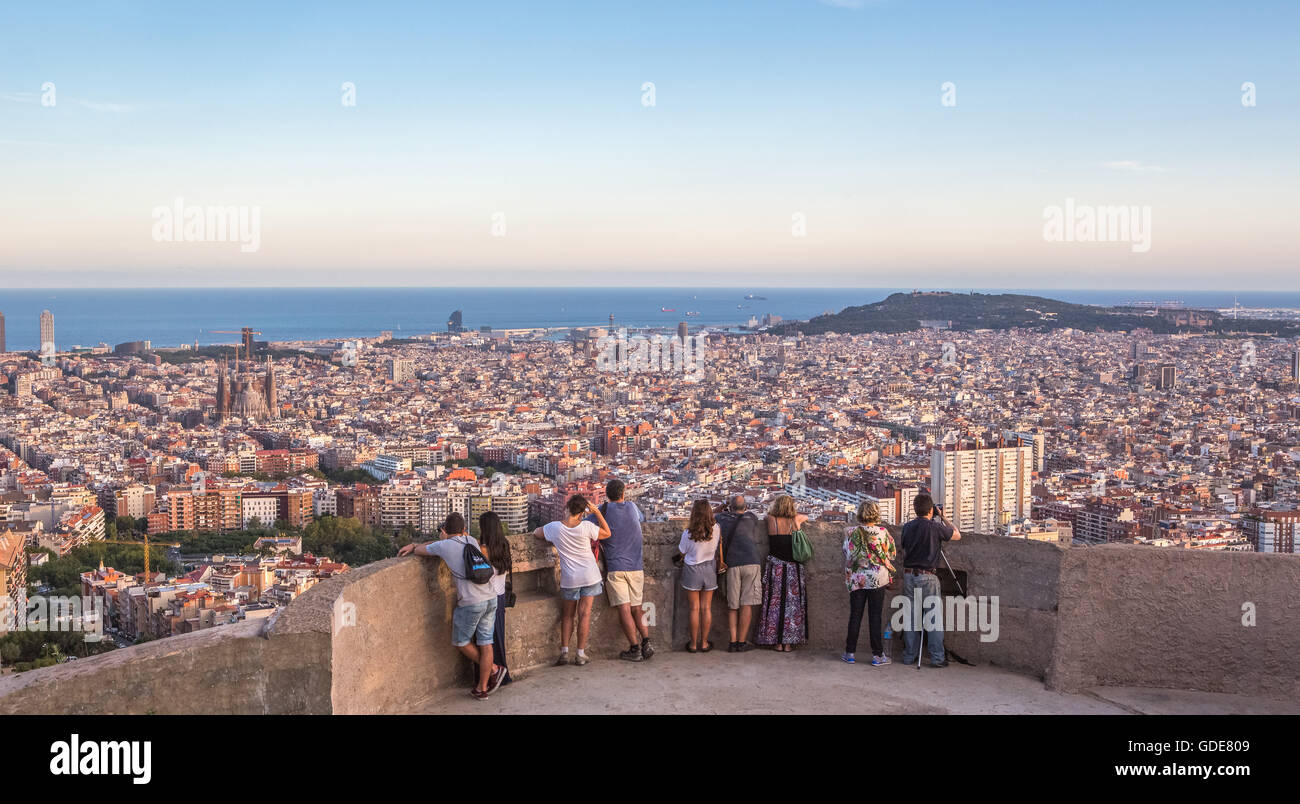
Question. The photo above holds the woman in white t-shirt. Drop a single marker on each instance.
(699, 549)
(579, 573)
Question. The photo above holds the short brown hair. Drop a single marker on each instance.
(923, 504)
(577, 505)
(454, 524)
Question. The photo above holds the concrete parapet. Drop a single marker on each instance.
(378, 638)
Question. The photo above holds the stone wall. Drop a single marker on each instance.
(378, 639)
(1134, 616)
(235, 669)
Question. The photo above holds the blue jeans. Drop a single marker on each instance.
(474, 622)
(929, 588)
(575, 592)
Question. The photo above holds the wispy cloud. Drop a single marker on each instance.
(1132, 166)
(98, 106)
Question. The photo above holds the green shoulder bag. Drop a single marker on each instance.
(800, 547)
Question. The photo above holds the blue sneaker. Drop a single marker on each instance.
(880, 660)
(848, 657)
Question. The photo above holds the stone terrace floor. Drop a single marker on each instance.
(814, 682)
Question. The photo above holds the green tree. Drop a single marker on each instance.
(346, 540)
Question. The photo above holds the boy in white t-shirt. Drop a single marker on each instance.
(579, 573)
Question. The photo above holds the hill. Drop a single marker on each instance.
(904, 312)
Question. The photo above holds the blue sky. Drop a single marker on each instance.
(533, 113)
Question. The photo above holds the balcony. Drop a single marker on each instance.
(1098, 629)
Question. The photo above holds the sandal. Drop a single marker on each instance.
(708, 646)
(690, 647)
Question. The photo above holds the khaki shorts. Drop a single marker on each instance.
(625, 587)
(744, 585)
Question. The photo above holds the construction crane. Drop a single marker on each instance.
(246, 335)
(147, 576)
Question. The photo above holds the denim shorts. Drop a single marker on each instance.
(474, 620)
(583, 591)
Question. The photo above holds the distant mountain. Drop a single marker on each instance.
(903, 312)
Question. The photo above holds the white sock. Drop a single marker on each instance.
(564, 649)
(581, 652)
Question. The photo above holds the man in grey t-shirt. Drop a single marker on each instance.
(476, 603)
(740, 528)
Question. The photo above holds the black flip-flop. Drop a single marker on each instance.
(708, 647)
(690, 647)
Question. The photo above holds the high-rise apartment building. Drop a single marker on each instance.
(1035, 440)
(2, 334)
(13, 580)
(135, 500)
(401, 369)
(47, 331)
(1271, 531)
(1166, 376)
(399, 507)
(982, 488)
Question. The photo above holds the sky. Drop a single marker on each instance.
(790, 142)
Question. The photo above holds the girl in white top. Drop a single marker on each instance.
(699, 549)
(699, 552)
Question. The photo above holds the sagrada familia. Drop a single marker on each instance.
(244, 394)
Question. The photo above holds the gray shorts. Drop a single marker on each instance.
(700, 577)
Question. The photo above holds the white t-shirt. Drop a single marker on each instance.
(498, 582)
(578, 565)
(699, 552)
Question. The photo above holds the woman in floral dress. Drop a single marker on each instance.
(869, 555)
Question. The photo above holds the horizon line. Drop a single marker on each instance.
(950, 289)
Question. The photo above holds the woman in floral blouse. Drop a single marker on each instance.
(868, 566)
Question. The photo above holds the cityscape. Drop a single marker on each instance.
(1183, 441)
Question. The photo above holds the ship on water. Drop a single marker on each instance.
(667, 310)
(752, 297)
(692, 312)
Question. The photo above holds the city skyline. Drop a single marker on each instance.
(823, 143)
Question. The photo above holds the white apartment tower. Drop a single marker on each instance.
(982, 488)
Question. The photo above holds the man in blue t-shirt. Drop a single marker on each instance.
(624, 569)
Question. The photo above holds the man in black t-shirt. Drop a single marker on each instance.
(922, 540)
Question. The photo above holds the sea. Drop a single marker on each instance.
(169, 317)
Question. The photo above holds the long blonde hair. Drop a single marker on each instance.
(783, 508)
